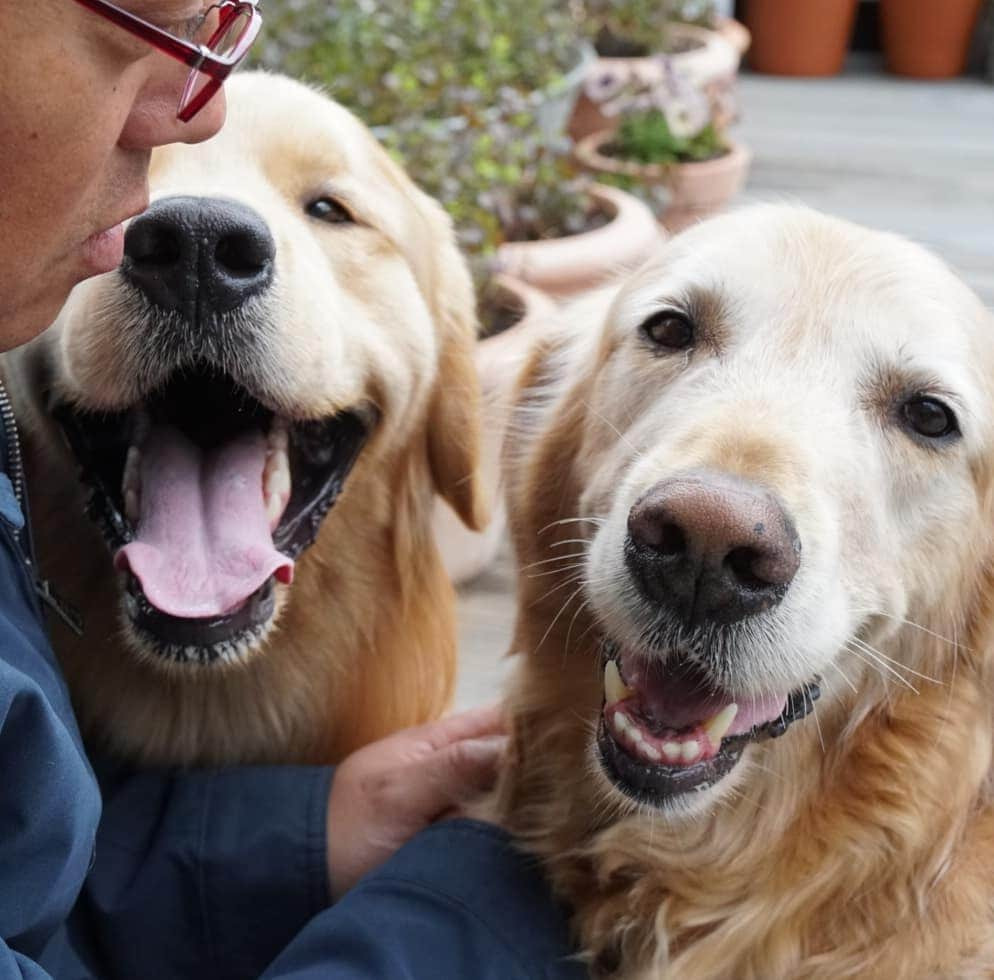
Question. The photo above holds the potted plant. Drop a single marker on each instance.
(924, 39)
(668, 150)
(521, 206)
(562, 232)
(459, 91)
(434, 59)
(511, 312)
(800, 37)
(628, 36)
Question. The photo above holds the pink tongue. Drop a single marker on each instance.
(203, 543)
(675, 698)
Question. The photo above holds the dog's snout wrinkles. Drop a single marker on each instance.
(199, 256)
(711, 547)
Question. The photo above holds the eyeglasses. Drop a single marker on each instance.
(221, 40)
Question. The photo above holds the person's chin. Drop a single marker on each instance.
(37, 311)
(24, 323)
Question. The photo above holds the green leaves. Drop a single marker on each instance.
(646, 137)
(373, 56)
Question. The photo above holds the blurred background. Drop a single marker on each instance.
(566, 138)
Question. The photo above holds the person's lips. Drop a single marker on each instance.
(103, 250)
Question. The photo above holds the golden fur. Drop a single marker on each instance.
(382, 312)
(861, 844)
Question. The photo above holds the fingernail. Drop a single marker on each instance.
(489, 745)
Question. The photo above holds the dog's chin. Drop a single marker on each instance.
(205, 497)
(668, 736)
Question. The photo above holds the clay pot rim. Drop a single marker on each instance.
(553, 264)
(532, 299)
(616, 202)
(533, 302)
(587, 151)
(716, 49)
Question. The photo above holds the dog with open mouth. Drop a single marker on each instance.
(751, 492)
(257, 411)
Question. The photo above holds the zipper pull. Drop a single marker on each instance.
(64, 610)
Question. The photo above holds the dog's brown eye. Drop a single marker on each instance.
(328, 209)
(668, 329)
(929, 417)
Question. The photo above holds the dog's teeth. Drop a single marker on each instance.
(132, 508)
(718, 726)
(671, 751)
(615, 688)
(131, 485)
(276, 481)
(690, 750)
(276, 476)
(275, 505)
(649, 752)
(621, 722)
(132, 469)
(279, 435)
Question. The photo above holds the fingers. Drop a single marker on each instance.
(474, 723)
(454, 774)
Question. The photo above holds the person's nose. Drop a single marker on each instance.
(152, 121)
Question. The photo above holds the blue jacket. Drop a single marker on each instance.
(220, 874)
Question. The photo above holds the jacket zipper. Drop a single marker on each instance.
(15, 465)
(15, 472)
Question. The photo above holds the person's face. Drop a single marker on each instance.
(84, 103)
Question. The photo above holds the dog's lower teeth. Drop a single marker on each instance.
(718, 726)
(131, 484)
(132, 507)
(276, 483)
(279, 435)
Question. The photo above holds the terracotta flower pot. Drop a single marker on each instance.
(925, 39)
(710, 63)
(696, 189)
(565, 266)
(467, 554)
(800, 37)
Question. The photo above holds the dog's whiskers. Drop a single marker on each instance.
(918, 626)
(852, 687)
(583, 605)
(569, 580)
(555, 558)
(572, 520)
(628, 442)
(881, 665)
(555, 619)
(897, 663)
(558, 571)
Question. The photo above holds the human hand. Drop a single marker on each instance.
(386, 792)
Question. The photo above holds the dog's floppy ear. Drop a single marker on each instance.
(454, 413)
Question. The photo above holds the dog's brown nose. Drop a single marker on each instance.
(711, 547)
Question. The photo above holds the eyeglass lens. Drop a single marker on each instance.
(221, 41)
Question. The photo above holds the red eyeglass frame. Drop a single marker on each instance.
(199, 57)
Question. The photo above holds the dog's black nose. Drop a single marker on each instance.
(199, 255)
(711, 547)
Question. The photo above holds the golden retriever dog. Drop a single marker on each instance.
(262, 402)
(751, 494)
